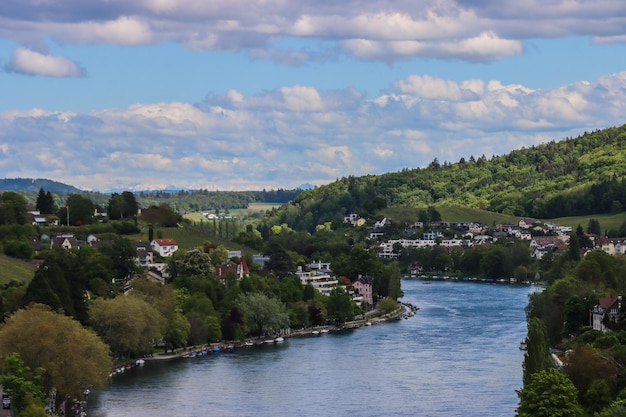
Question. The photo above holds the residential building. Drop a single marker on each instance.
(65, 241)
(144, 255)
(164, 247)
(608, 308)
(365, 288)
(321, 281)
(240, 269)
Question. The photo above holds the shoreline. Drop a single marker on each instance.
(404, 310)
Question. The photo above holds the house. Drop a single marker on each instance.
(526, 223)
(321, 281)
(608, 308)
(144, 255)
(612, 247)
(380, 223)
(365, 288)
(164, 247)
(432, 235)
(155, 275)
(65, 241)
(240, 269)
(541, 245)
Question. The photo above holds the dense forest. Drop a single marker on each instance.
(575, 176)
(180, 200)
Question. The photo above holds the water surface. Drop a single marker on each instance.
(458, 356)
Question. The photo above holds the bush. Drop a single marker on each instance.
(607, 341)
(589, 336)
(19, 249)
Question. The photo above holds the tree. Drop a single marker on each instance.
(594, 228)
(13, 208)
(80, 210)
(122, 206)
(74, 357)
(537, 356)
(122, 254)
(262, 312)
(340, 305)
(598, 396)
(387, 305)
(45, 202)
(616, 409)
(24, 385)
(549, 394)
(128, 324)
(177, 332)
(191, 263)
(162, 215)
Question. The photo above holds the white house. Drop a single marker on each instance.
(607, 307)
(164, 247)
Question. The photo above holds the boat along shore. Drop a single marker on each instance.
(404, 310)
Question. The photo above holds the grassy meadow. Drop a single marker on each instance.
(15, 269)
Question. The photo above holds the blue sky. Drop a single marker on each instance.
(239, 95)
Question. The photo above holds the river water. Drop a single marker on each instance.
(458, 356)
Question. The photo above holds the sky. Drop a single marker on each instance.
(248, 95)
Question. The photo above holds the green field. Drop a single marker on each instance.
(458, 214)
(15, 269)
(450, 214)
(607, 221)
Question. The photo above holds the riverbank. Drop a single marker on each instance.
(404, 310)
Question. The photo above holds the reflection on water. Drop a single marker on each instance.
(457, 356)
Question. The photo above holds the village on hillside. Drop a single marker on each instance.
(543, 238)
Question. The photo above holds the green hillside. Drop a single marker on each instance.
(580, 176)
(13, 269)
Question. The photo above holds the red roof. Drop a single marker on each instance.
(607, 302)
(166, 242)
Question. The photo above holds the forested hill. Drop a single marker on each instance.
(574, 176)
(33, 185)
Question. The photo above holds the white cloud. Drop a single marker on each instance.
(30, 62)
(383, 152)
(386, 30)
(296, 134)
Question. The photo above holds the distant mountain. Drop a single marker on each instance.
(33, 185)
(305, 186)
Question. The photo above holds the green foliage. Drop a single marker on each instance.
(578, 176)
(163, 215)
(13, 208)
(598, 396)
(122, 206)
(73, 356)
(81, 210)
(387, 305)
(23, 384)
(537, 356)
(616, 409)
(111, 319)
(262, 313)
(340, 305)
(549, 394)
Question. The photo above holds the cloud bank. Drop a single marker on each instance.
(376, 30)
(296, 134)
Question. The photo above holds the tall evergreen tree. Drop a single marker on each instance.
(537, 356)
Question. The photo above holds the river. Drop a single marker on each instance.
(458, 356)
